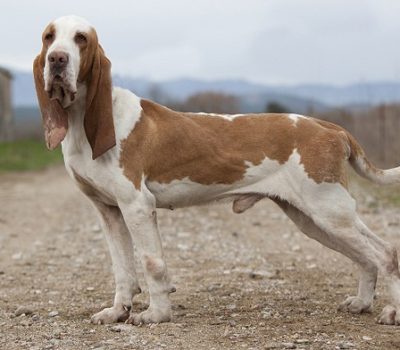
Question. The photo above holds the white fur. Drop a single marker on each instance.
(224, 116)
(295, 117)
(123, 101)
(323, 211)
(384, 177)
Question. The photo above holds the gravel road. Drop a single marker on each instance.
(248, 281)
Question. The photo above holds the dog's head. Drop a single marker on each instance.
(71, 57)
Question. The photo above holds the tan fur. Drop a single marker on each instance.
(87, 53)
(356, 151)
(95, 71)
(166, 145)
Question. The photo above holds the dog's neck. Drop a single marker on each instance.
(76, 140)
(80, 99)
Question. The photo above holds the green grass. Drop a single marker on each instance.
(27, 155)
(386, 195)
(389, 194)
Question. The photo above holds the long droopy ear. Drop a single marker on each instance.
(55, 118)
(99, 123)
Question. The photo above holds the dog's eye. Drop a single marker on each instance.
(49, 37)
(80, 39)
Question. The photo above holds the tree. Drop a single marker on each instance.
(157, 94)
(212, 102)
(275, 107)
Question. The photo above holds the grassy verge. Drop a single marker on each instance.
(389, 194)
(26, 155)
(383, 194)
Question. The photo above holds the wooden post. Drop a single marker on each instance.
(6, 115)
(382, 133)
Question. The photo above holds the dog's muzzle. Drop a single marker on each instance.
(59, 85)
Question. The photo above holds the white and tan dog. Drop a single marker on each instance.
(131, 156)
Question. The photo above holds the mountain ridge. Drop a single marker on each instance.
(254, 96)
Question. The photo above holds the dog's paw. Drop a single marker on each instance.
(149, 316)
(355, 305)
(111, 315)
(390, 316)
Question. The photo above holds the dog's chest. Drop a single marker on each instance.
(93, 179)
(98, 178)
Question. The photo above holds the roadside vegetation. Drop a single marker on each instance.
(389, 194)
(375, 196)
(26, 155)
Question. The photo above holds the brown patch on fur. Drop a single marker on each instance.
(95, 70)
(356, 151)
(323, 150)
(87, 53)
(166, 145)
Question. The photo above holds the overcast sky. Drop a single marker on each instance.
(267, 41)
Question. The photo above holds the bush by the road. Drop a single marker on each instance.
(27, 155)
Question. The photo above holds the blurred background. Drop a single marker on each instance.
(335, 59)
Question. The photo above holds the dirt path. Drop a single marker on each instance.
(248, 281)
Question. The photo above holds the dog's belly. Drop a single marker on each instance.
(267, 179)
(183, 193)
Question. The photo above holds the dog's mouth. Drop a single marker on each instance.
(60, 88)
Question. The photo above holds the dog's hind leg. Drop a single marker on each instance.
(332, 210)
(368, 272)
(391, 313)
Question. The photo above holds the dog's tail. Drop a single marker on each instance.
(366, 169)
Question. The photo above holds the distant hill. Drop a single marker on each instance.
(254, 97)
(356, 94)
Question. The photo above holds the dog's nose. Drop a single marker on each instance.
(58, 60)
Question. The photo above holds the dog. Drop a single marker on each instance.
(130, 156)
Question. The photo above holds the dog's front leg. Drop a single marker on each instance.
(141, 218)
(121, 249)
